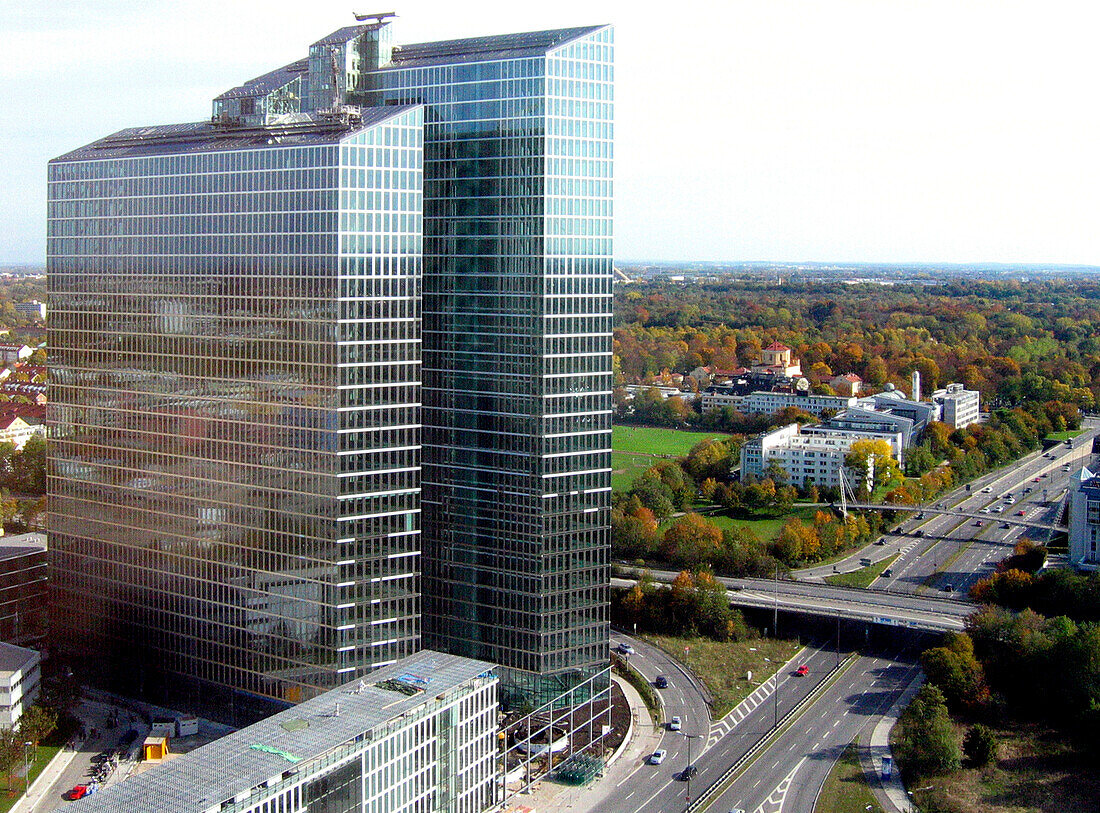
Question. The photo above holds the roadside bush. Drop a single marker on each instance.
(980, 746)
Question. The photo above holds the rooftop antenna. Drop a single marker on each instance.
(377, 17)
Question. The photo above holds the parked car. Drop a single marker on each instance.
(887, 573)
(918, 532)
(661, 682)
(978, 523)
(1021, 513)
(657, 757)
(802, 670)
(947, 588)
(78, 792)
(674, 724)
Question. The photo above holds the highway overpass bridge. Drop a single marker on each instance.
(933, 612)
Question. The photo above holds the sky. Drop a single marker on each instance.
(824, 130)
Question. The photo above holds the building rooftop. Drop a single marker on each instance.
(504, 46)
(21, 545)
(204, 778)
(272, 80)
(13, 658)
(202, 136)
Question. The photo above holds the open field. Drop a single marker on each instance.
(656, 441)
(723, 666)
(626, 467)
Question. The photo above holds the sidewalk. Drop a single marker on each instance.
(547, 795)
(889, 792)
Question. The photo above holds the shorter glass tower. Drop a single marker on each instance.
(235, 406)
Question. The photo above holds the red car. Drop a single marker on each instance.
(78, 792)
(1021, 513)
(802, 671)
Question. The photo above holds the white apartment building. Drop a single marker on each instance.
(767, 403)
(806, 457)
(19, 680)
(960, 406)
(718, 397)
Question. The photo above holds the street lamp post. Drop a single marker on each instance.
(26, 769)
(687, 768)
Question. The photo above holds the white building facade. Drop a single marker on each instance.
(816, 458)
(767, 403)
(1084, 520)
(960, 406)
(20, 677)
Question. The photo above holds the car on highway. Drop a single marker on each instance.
(658, 756)
(661, 682)
(675, 724)
(688, 773)
(985, 510)
(987, 490)
(1010, 500)
(918, 532)
(626, 649)
(998, 509)
(802, 670)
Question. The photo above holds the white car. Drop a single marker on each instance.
(674, 724)
(987, 490)
(985, 510)
(626, 649)
(657, 757)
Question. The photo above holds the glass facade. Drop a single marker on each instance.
(517, 346)
(235, 409)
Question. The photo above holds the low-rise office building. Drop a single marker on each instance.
(20, 677)
(1084, 520)
(816, 458)
(767, 403)
(418, 735)
(959, 407)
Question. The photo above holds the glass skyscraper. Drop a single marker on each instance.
(235, 403)
(515, 340)
(517, 345)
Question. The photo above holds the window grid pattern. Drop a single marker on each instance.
(235, 343)
(517, 352)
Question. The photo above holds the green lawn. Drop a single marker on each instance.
(766, 528)
(626, 468)
(845, 789)
(723, 666)
(43, 755)
(862, 577)
(1063, 436)
(656, 441)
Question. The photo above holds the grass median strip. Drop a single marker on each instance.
(845, 789)
(724, 666)
(862, 577)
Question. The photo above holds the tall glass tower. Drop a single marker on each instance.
(235, 404)
(517, 346)
(238, 338)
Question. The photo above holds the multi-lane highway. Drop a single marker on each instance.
(789, 773)
(938, 552)
(714, 746)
